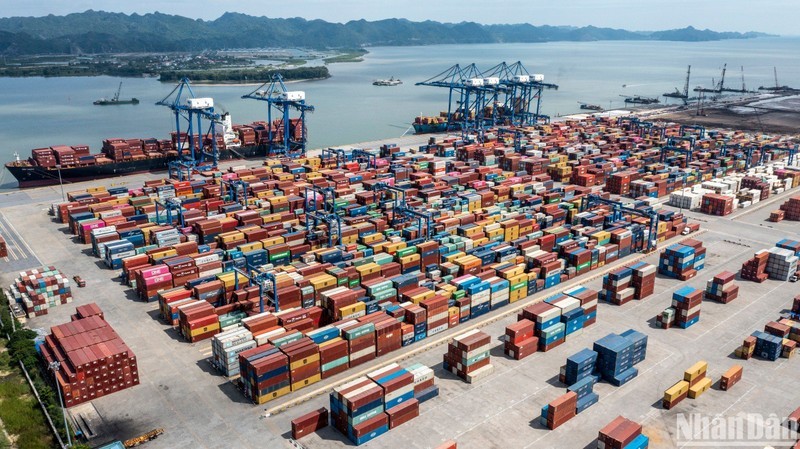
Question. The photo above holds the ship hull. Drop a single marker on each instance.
(35, 176)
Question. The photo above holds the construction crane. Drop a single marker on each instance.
(192, 110)
(618, 208)
(718, 87)
(682, 95)
(743, 90)
(778, 88)
(284, 101)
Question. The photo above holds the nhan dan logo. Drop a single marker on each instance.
(740, 430)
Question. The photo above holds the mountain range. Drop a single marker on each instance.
(105, 32)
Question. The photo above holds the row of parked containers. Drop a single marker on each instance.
(611, 359)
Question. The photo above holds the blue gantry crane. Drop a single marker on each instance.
(673, 145)
(265, 281)
(519, 89)
(618, 208)
(284, 101)
(192, 111)
(699, 130)
(327, 214)
(788, 149)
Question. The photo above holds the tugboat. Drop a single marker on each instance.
(390, 82)
(115, 99)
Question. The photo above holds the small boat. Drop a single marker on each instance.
(390, 82)
(115, 99)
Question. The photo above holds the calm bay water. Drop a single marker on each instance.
(40, 112)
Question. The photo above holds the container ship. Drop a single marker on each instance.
(119, 157)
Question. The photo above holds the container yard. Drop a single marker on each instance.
(512, 293)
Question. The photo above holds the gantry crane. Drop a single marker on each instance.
(618, 209)
(283, 101)
(192, 110)
(402, 209)
(520, 88)
(672, 145)
(328, 214)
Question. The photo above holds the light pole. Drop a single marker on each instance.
(54, 366)
(58, 166)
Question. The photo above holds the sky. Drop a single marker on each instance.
(771, 16)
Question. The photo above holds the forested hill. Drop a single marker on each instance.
(104, 32)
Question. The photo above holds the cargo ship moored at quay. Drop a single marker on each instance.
(120, 157)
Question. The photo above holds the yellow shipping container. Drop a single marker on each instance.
(304, 362)
(696, 370)
(672, 393)
(322, 281)
(699, 388)
(251, 246)
(353, 309)
(204, 329)
(261, 399)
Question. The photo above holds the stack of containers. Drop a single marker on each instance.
(781, 264)
(588, 302)
(643, 280)
(398, 390)
(722, 288)
(579, 366)
(198, 321)
(682, 261)
(264, 373)
(755, 269)
(40, 289)
(714, 204)
(357, 410)
(360, 339)
(561, 410)
(617, 286)
(225, 349)
(694, 384)
(617, 355)
(94, 361)
(622, 433)
(304, 362)
(548, 326)
(572, 315)
(468, 356)
(424, 387)
(767, 346)
(791, 208)
(685, 309)
(520, 341)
